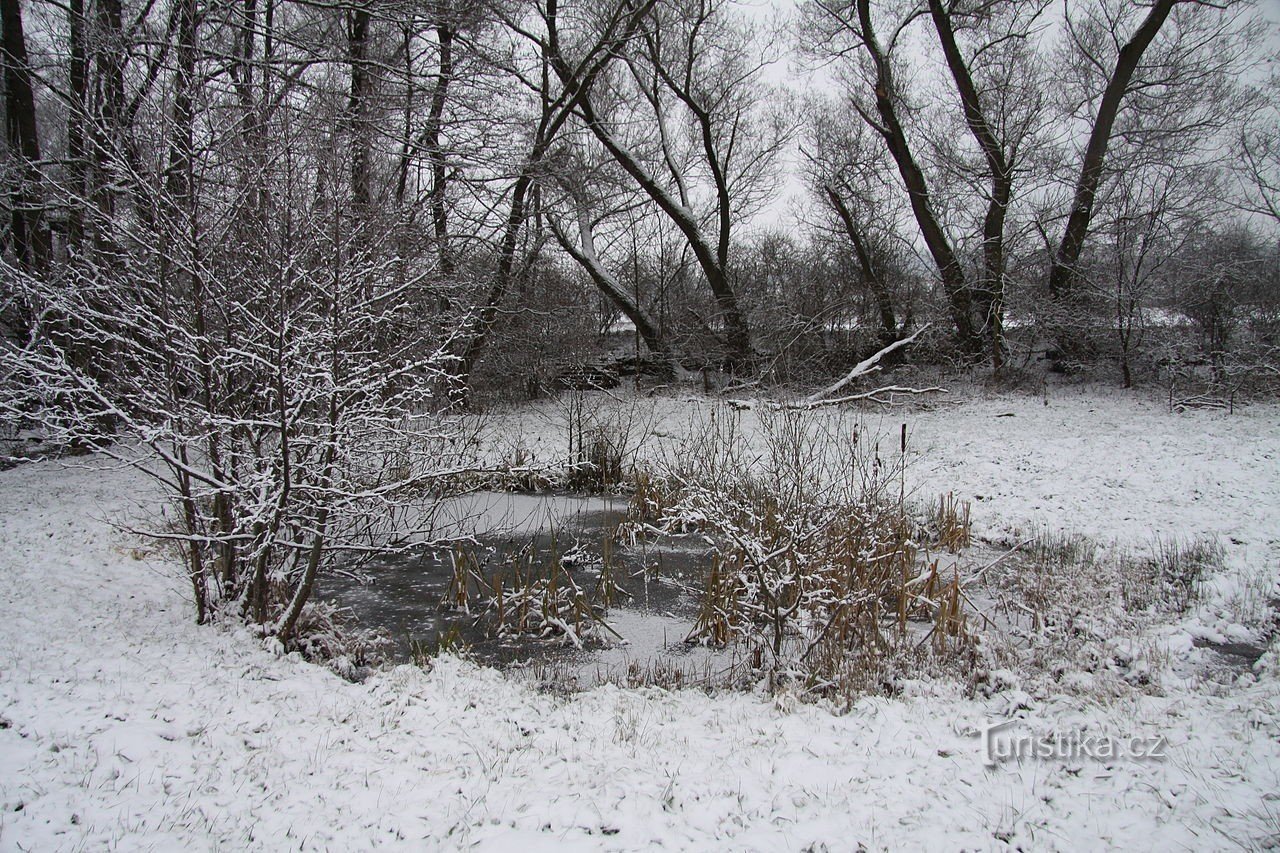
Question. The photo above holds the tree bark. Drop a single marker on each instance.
(935, 238)
(1062, 273)
(435, 153)
(27, 229)
(109, 120)
(469, 342)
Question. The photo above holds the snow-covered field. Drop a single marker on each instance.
(125, 726)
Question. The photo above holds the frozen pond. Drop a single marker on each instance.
(407, 595)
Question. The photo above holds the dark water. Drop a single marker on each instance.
(1237, 655)
(405, 595)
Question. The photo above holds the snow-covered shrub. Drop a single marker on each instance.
(815, 566)
(329, 634)
(279, 381)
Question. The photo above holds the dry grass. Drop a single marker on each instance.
(1168, 579)
(816, 573)
(331, 635)
(533, 594)
(1064, 606)
(948, 524)
(449, 642)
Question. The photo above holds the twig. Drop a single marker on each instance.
(997, 561)
(868, 395)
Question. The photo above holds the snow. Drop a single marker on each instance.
(1113, 466)
(125, 726)
(517, 514)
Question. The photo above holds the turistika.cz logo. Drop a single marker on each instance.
(1000, 745)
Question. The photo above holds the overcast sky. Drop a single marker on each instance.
(782, 212)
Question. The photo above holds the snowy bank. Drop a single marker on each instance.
(125, 726)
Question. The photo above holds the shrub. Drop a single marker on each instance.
(815, 569)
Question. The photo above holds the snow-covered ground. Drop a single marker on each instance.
(125, 726)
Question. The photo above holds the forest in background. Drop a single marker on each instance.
(494, 187)
(285, 244)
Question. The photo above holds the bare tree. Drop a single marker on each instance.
(689, 123)
(869, 68)
(555, 107)
(1155, 76)
(1258, 163)
(248, 342)
(993, 65)
(1142, 224)
(1225, 282)
(847, 173)
(590, 200)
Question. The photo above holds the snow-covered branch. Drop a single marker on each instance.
(867, 365)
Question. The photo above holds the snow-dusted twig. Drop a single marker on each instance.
(867, 395)
(976, 576)
(874, 396)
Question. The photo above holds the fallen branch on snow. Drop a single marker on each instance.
(866, 395)
(863, 368)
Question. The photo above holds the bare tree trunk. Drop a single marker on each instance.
(181, 218)
(107, 131)
(710, 258)
(471, 340)
(991, 287)
(879, 289)
(1062, 273)
(289, 621)
(27, 229)
(77, 167)
(435, 153)
(251, 118)
(358, 105)
(935, 238)
(584, 252)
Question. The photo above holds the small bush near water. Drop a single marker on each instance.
(816, 568)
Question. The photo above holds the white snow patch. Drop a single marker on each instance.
(124, 725)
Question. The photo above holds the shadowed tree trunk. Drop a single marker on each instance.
(1062, 273)
(358, 105)
(435, 153)
(584, 253)
(27, 231)
(712, 148)
(77, 167)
